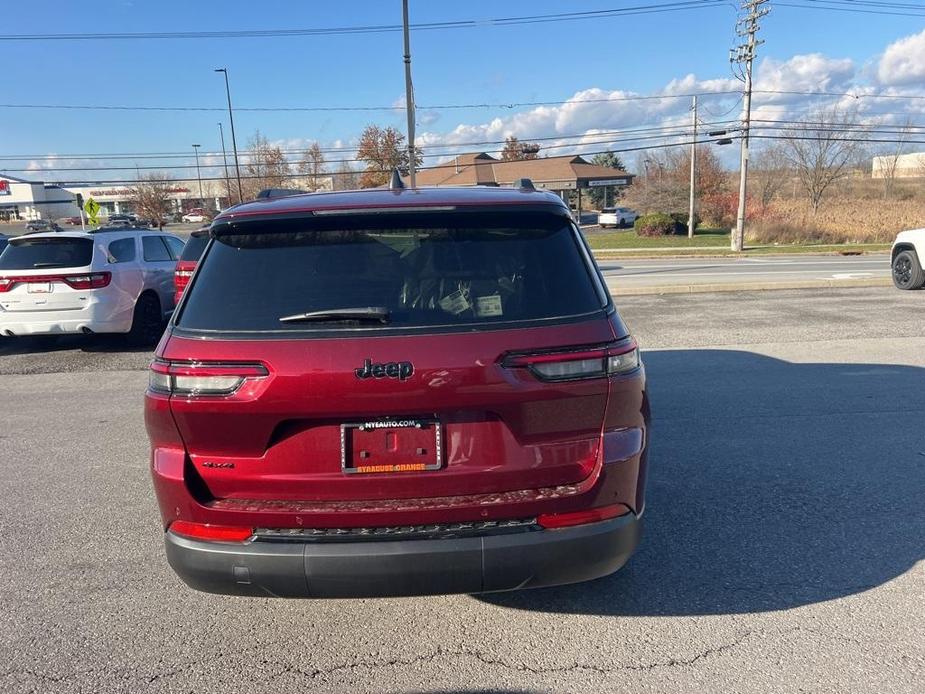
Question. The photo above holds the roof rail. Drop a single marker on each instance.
(268, 193)
(523, 184)
(395, 183)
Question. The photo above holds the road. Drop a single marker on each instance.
(645, 274)
(783, 551)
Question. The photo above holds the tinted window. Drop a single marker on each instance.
(194, 247)
(609, 210)
(122, 251)
(154, 249)
(174, 245)
(27, 254)
(459, 269)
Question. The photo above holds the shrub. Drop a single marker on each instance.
(655, 224)
(680, 221)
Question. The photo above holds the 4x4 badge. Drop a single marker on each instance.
(401, 370)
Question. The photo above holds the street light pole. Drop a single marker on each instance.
(198, 175)
(690, 215)
(409, 93)
(221, 134)
(234, 143)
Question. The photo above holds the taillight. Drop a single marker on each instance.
(208, 531)
(84, 280)
(574, 363)
(201, 378)
(591, 515)
(93, 280)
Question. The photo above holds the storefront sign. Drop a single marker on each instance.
(608, 182)
(4, 187)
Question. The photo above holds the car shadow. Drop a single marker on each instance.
(46, 344)
(772, 485)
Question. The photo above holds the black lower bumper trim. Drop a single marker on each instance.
(406, 567)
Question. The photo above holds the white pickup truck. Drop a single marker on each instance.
(907, 257)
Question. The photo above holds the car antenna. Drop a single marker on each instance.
(396, 183)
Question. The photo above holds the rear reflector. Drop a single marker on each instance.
(85, 280)
(591, 515)
(207, 531)
(568, 364)
(201, 378)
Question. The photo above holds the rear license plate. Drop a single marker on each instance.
(39, 287)
(395, 445)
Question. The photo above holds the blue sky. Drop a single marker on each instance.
(640, 54)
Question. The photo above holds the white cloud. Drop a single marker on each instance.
(903, 61)
(802, 73)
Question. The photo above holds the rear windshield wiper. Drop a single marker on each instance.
(38, 265)
(372, 313)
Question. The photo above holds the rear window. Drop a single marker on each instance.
(154, 249)
(424, 270)
(194, 247)
(29, 254)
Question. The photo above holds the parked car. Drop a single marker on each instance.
(124, 219)
(73, 221)
(907, 257)
(188, 261)
(384, 392)
(118, 281)
(195, 215)
(39, 225)
(616, 217)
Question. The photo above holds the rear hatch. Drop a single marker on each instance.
(381, 357)
(186, 265)
(39, 274)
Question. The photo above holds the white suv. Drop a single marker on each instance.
(107, 281)
(616, 217)
(907, 258)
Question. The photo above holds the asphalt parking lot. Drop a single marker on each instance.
(783, 551)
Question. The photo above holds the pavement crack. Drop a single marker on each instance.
(514, 666)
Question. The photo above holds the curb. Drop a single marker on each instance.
(749, 286)
(668, 254)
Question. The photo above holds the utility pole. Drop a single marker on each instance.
(221, 134)
(409, 93)
(198, 175)
(690, 215)
(744, 54)
(234, 143)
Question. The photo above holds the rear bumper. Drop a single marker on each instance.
(61, 326)
(105, 314)
(406, 567)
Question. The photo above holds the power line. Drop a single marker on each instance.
(678, 131)
(616, 150)
(376, 28)
(831, 6)
(301, 150)
(434, 107)
(478, 105)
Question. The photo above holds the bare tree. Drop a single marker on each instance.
(383, 149)
(515, 150)
(266, 167)
(890, 160)
(665, 180)
(345, 178)
(822, 150)
(150, 197)
(312, 166)
(769, 171)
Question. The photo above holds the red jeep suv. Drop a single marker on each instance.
(397, 392)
